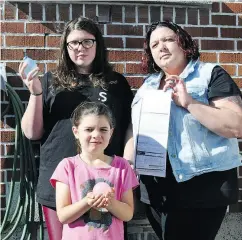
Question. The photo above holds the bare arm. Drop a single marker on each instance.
(129, 145)
(123, 209)
(67, 211)
(223, 116)
(32, 121)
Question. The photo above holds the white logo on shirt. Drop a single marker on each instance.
(103, 97)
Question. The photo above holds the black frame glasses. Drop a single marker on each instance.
(86, 43)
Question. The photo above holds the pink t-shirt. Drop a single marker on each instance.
(81, 178)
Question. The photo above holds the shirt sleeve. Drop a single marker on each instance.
(61, 173)
(221, 84)
(129, 179)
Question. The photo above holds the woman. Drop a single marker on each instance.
(203, 153)
(83, 74)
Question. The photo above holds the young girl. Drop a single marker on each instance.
(84, 213)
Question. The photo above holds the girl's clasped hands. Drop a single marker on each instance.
(100, 200)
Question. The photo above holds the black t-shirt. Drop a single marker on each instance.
(58, 140)
(207, 190)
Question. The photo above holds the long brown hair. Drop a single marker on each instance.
(66, 75)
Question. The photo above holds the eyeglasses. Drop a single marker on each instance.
(86, 43)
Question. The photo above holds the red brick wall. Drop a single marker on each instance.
(35, 28)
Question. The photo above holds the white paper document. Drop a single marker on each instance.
(151, 146)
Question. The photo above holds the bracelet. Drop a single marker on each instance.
(36, 94)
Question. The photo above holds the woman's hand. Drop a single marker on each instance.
(179, 94)
(31, 80)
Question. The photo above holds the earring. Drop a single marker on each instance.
(153, 64)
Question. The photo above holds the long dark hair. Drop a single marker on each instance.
(91, 108)
(66, 75)
(185, 41)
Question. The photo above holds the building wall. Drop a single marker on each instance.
(35, 28)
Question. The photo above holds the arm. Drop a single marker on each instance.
(127, 97)
(68, 212)
(32, 121)
(225, 113)
(129, 145)
(123, 209)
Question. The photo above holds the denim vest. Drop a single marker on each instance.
(193, 149)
